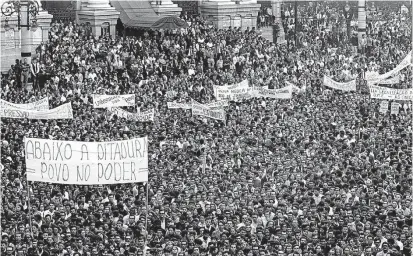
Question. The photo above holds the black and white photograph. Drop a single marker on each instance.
(206, 128)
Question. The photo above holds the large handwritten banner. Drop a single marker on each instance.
(145, 116)
(377, 92)
(62, 112)
(403, 64)
(233, 94)
(176, 105)
(42, 104)
(86, 163)
(348, 86)
(282, 93)
(108, 101)
(226, 91)
(202, 110)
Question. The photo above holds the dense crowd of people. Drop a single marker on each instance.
(321, 174)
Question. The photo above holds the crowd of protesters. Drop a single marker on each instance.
(321, 174)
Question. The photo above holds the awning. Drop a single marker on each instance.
(141, 14)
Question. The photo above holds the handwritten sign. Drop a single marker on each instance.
(176, 105)
(42, 104)
(62, 112)
(202, 110)
(384, 106)
(86, 163)
(377, 92)
(395, 107)
(109, 101)
(347, 86)
(283, 93)
(217, 104)
(145, 116)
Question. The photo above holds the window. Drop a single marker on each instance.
(105, 29)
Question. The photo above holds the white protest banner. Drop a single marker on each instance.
(384, 106)
(404, 63)
(221, 92)
(347, 86)
(42, 104)
(233, 94)
(86, 163)
(217, 104)
(176, 105)
(392, 80)
(282, 93)
(61, 112)
(109, 101)
(395, 107)
(145, 116)
(377, 92)
(202, 110)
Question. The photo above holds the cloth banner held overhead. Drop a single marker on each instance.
(86, 163)
(395, 107)
(384, 106)
(176, 105)
(109, 101)
(224, 92)
(347, 86)
(282, 93)
(377, 92)
(392, 80)
(403, 64)
(217, 104)
(145, 116)
(61, 112)
(243, 84)
(234, 94)
(42, 104)
(202, 110)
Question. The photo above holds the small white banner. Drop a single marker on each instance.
(109, 101)
(176, 105)
(202, 110)
(282, 93)
(217, 104)
(384, 106)
(145, 116)
(347, 86)
(86, 163)
(395, 107)
(61, 112)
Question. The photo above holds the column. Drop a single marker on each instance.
(26, 34)
(362, 17)
(276, 10)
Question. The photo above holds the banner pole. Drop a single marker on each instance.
(29, 207)
(147, 204)
(1, 192)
